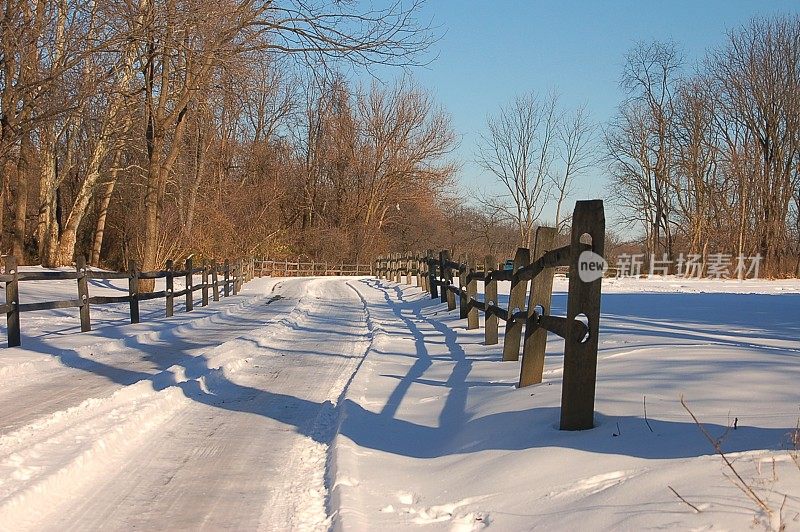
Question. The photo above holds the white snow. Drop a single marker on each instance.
(359, 404)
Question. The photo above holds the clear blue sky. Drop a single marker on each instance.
(492, 50)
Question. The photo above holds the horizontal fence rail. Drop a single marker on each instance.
(527, 319)
(228, 276)
(286, 268)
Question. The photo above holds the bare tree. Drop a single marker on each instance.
(518, 149)
(639, 140)
(576, 137)
(756, 79)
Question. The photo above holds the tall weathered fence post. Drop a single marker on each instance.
(189, 284)
(133, 290)
(226, 277)
(580, 354)
(541, 295)
(83, 292)
(408, 263)
(463, 302)
(433, 288)
(12, 299)
(490, 298)
(204, 291)
(444, 256)
(170, 289)
(516, 303)
(215, 280)
(237, 273)
(449, 294)
(472, 293)
(418, 269)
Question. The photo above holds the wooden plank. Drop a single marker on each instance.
(516, 303)
(490, 298)
(153, 275)
(535, 340)
(133, 291)
(50, 305)
(83, 292)
(472, 293)
(170, 299)
(580, 354)
(152, 295)
(12, 302)
(94, 274)
(106, 300)
(46, 276)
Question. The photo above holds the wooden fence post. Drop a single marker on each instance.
(205, 282)
(433, 288)
(541, 294)
(444, 256)
(215, 280)
(422, 269)
(226, 277)
(580, 354)
(236, 274)
(170, 289)
(133, 290)
(472, 293)
(189, 284)
(490, 298)
(451, 296)
(83, 292)
(516, 303)
(409, 269)
(418, 268)
(463, 302)
(12, 299)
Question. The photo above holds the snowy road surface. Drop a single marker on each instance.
(219, 424)
(360, 404)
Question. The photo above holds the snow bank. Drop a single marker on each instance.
(435, 432)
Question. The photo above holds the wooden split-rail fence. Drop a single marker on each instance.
(527, 320)
(217, 279)
(287, 268)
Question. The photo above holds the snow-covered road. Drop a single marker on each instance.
(221, 422)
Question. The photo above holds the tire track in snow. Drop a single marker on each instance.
(251, 435)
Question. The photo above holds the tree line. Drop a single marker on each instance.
(148, 129)
(708, 161)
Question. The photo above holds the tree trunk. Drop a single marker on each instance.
(21, 199)
(105, 200)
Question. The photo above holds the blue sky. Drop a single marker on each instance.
(492, 50)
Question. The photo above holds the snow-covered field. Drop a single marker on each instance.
(359, 404)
